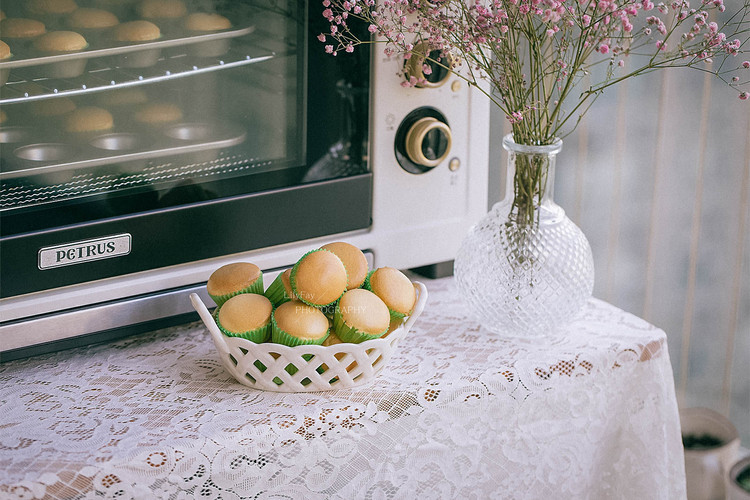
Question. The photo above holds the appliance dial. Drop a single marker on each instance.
(437, 62)
(423, 140)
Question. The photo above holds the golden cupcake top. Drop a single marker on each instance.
(44, 7)
(60, 41)
(162, 9)
(4, 50)
(89, 119)
(53, 107)
(365, 311)
(158, 112)
(319, 278)
(136, 31)
(19, 27)
(232, 278)
(394, 288)
(92, 19)
(202, 21)
(301, 321)
(353, 259)
(245, 312)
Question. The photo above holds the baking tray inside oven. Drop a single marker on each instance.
(31, 156)
(124, 49)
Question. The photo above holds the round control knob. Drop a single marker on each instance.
(428, 142)
(439, 67)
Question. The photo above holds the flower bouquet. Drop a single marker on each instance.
(525, 268)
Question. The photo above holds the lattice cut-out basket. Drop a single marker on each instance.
(306, 368)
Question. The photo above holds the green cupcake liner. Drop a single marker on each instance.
(396, 314)
(276, 292)
(350, 334)
(366, 283)
(293, 280)
(279, 336)
(259, 335)
(256, 287)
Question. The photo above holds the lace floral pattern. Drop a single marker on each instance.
(457, 413)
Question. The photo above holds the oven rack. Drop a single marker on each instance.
(21, 192)
(120, 148)
(24, 84)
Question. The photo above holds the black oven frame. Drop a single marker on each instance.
(242, 214)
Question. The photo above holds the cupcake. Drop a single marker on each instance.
(247, 315)
(167, 14)
(395, 289)
(93, 23)
(137, 32)
(319, 278)
(51, 12)
(87, 121)
(280, 290)
(62, 42)
(294, 323)
(157, 114)
(202, 23)
(50, 7)
(84, 19)
(123, 9)
(360, 315)
(58, 42)
(162, 9)
(4, 51)
(18, 32)
(234, 279)
(354, 261)
(4, 55)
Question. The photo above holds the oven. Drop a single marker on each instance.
(133, 166)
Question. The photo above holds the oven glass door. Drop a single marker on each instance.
(188, 129)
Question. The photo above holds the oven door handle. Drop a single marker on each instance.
(208, 320)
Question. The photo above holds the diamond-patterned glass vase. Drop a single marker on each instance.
(526, 269)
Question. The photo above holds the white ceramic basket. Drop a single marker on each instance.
(313, 368)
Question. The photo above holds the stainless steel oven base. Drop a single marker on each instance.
(97, 323)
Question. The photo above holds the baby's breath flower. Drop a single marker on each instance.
(539, 92)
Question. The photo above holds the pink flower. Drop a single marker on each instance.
(322, 37)
(744, 96)
(604, 48)
(746, 64)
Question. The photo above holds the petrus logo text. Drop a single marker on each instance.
(84, 251)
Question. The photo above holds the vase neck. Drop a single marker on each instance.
(530, 180)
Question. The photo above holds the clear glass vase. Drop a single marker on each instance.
(526, 269)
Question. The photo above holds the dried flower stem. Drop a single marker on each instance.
(535, 53)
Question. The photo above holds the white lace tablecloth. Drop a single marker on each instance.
(457, 413)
